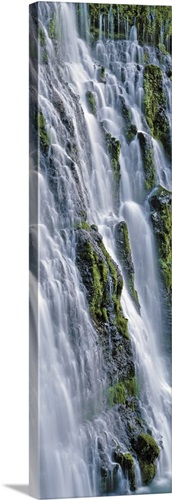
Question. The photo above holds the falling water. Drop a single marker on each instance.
(72, 369)
(100, 26)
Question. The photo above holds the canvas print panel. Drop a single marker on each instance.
(100, 252)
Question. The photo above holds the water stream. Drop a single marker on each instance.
(72, 379)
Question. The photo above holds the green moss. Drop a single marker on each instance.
(122, 324)
(126, 238)
(84, 225)
(91, 102)
(52, 27)
(155, 105)
(99, 282)
(147, 451)
(117, 394)
(162, 48)
(132, 386)
(126, 461)
(104, 314)
(128, 388)
(101, 276)
(148, 471)
(41, 35)
(44, 140)
(128, 467)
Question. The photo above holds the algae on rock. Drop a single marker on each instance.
(155, 105)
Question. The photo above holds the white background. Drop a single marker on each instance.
(14, 422)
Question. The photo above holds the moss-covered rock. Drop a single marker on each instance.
(101, 277)
(117, 394)
(128, 467)
(148, 159)
(44, 140)
(103, 286)
(83, 225)
(117, 283)
(100, 274)
(147, 451)
(114, 148)
(124, 253)
(41, 35)
(155, 105)
(126, 462)
(123, 391)
(52, 27)
(129, 129)
(91, 102)
(161, 215)
(130, 132)
(125, 110)
(94, 272)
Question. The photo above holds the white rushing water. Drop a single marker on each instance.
(72, 376)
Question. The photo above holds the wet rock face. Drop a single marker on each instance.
(148, 159)
(127, 463)
(124, 252)
(161, 215)
(113, 147)
(103, 284)
(155, 106)
(99, 274)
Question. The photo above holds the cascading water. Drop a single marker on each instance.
(74, 418)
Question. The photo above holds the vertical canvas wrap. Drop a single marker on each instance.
(100, 249)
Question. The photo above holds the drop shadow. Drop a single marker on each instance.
(21, 488)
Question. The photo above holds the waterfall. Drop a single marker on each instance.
(78, 430)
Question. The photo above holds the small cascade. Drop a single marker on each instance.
(133, 34)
